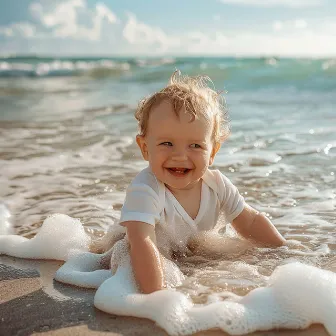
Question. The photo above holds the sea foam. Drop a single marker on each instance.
(59, 238)
(5, 225)
(295, 295)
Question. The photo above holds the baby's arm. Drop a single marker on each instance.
(253, 225)
(145, 257)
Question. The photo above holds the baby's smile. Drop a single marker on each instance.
(178, 171)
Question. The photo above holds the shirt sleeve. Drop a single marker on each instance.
(232, 203)
(141, 204)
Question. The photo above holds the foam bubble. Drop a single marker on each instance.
(295, 296)
(5, 225)
(83, 270)
(59, 238)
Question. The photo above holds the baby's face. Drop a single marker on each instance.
(179, 151)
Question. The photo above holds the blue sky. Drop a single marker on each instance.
(175, 27)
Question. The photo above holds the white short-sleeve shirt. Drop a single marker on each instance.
(148, 200)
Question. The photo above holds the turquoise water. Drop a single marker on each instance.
(67, 139)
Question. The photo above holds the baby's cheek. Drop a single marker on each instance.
(204, 156)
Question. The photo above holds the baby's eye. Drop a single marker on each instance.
(195, 146)
(166, 143)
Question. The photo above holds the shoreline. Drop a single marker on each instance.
(33, 302)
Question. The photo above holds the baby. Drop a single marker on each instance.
(177, 195)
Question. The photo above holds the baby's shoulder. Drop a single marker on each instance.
(212, 178)
(147, 178)
(217, 177)
(216, 180)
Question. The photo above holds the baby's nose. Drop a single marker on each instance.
(179, 155)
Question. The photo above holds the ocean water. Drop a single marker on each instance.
(67, 146)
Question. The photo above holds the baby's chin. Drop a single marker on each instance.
(181, 184)
(176, 186)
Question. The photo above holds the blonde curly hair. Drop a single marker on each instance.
(196, 97)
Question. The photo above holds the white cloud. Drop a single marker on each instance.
(197, 42)
(72, 28)
(6, 31)
(105, 12)
(277, 25)
(22, 29)
(64, 19)
(60, 15)
(300, 24)
(273, 3)
(141, 36)
(290, 25)
(300, 43)
(138, 33)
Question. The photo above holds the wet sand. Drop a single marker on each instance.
(32, 302)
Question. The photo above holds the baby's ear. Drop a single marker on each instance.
(215, 149)
(141, 141)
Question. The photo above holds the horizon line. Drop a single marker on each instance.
(51, 55)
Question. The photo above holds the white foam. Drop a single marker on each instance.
(294, 296)
(83, 270)
(5, 225)
(59, 238)
(57, 67)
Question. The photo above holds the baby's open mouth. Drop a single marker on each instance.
(179, 171)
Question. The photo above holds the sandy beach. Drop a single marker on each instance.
(33, 303)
